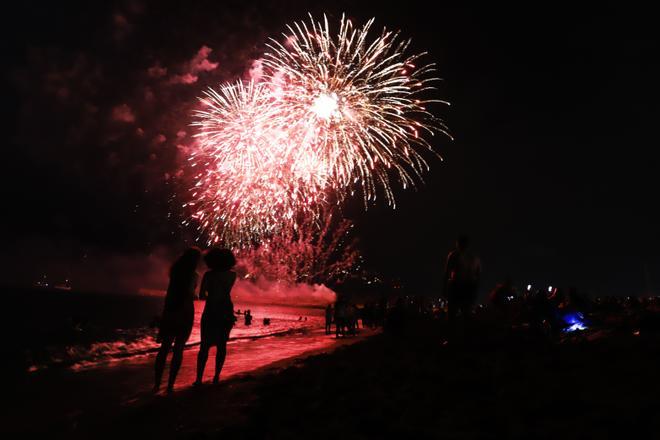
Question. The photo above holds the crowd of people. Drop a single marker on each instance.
(346, 317)
(551, 312)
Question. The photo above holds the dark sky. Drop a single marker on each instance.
(552, 171)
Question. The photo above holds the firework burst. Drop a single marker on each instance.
(335, 113)
(250, 181)
(357, 102)
(314, 253)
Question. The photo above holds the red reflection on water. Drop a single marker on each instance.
(292, 332)
(247, 355)
(283, 320)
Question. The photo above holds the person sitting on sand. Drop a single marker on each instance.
(178, 315)
(218, 316)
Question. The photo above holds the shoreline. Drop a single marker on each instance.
(66, 400)
(414, 380)
(87, 335)
(127, 356)
(411, 383)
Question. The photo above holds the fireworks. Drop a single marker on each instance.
(335, 114)
(314, 253)
(250, 184)
(357, 102)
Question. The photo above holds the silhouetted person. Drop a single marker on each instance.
(352, 318)
(504, 305)
(248, 317)
(340, 318)
(365, 314)
(328, 319)
(502, 293)
(178, 315)
(462, 273)
(218, 316)
(396, 318)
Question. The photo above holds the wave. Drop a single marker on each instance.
(137, 342)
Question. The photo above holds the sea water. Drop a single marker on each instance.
(82, 330)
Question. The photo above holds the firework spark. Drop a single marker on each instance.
(335, 114)
(357, 102)
(250, 184)
(314, 253)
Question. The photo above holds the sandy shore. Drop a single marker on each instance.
(90, 401)
(487, 384)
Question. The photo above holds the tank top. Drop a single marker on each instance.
(216, 288)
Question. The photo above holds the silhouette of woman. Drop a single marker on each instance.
(178, 315)
(218, 316)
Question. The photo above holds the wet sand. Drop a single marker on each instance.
(87, 402)
(490, 383)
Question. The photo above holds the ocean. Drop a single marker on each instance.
(55, 329)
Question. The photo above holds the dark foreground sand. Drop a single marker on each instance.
(509, 384)
(88, 402)
(413, 386)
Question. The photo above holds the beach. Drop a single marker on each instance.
(413, 385)
(410, 382)
(81, 359)
(71, 400)
(407, 220)
(81, 330)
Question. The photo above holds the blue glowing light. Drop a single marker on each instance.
(574, 321)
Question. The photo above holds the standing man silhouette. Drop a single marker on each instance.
(461, 280)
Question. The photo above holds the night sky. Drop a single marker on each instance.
(553, 171)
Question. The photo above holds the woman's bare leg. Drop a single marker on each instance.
(220, 354)
(202, 357)
(159, 367)
(177, 358)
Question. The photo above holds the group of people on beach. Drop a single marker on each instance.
(346, 316)
(179, 312)
(460, 284)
